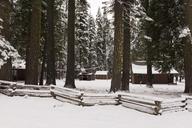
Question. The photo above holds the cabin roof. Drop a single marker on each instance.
(142, 69)
(19, 64)
(101, 73)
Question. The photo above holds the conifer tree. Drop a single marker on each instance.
(33, 48)
(118, 45)
(188, 47)
(70, 76)
(92, 43)
(101, 46)
(81, 26)
(51, 71)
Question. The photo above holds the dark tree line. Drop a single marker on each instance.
(45, 34)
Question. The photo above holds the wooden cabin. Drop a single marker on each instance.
(86, 76)
(102, 75)
(18, 70)
(139, 75)
(5, 71)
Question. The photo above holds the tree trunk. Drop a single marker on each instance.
(188, 49)
(44, 59)
(70, 76)
(149, 48)
(51, 72)
(149, 71)
(126, 48)
(117, 59)
(5, 12)
(33, 47)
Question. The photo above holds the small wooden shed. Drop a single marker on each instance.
(5, 71)
(139, 75)
(103, 75)
(18, 70)
(86, 76)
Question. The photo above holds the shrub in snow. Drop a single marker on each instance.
(6, 51)
(184, 32)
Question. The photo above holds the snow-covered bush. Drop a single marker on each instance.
(6, 51)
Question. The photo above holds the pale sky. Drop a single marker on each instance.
(95, 4)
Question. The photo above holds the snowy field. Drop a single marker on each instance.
(103, 86)
(27, 112)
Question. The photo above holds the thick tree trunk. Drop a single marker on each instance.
(70, 78)
(126, 48)
(118, 46)
(5, 11)
(188, 48)
(188, 65)
(33, 47)
(51, 72)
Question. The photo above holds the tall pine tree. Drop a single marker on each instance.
(33, 47)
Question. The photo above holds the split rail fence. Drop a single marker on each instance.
(143, 103)
(17, 89)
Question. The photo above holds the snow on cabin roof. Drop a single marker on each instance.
(101, 73)
(19, 64)
(142, 69)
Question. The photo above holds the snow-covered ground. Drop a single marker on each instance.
(103, 86)
(27, 112)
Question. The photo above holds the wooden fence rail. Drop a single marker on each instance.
(188, 102)
(81, 98)
(152, 105)
(18, 89)
(148, 104)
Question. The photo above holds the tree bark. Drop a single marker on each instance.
(5, 14)
(44, 59)
(149, 48)
(33, 47)
(70, 76)
(117, 59)
(188, 48)
(149, 70)
(51, 71)
(126, 48)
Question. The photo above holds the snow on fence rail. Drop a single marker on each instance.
(66, 95)
(89, 99)
(81, 98)
(147, 104)
(189, 102)
(15, 89)
(152, 105)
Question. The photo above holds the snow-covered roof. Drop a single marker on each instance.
(19, 64)
(101, 73)
(142, 69)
